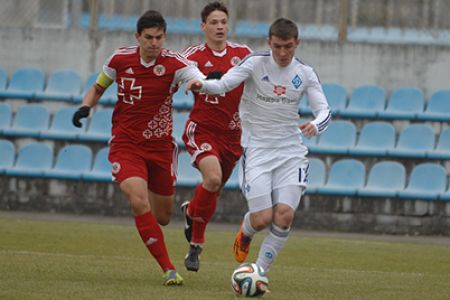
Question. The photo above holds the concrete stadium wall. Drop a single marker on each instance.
(350, 64)
(346, 214)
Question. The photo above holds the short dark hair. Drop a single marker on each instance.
(284, 29)
(151, 19)
(209, 8)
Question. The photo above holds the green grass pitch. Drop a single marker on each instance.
(79, 259)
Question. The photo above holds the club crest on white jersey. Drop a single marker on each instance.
(296, 81)
(279, 90)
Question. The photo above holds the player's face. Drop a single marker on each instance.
(216, 27)
(151, 40)
(283, 51)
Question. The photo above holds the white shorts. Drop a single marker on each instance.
(267, 175)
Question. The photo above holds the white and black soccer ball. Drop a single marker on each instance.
(249, 280)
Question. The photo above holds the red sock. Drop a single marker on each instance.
(153, 238)
(201, 209)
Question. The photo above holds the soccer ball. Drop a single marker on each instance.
(249, 280)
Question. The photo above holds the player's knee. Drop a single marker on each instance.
(284, 218)
(212, 183)
(139, 203)
(261, 221)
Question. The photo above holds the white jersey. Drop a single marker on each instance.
(270, 101)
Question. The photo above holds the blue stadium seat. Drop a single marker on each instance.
(386, 179)
(33, 160)
(102, 168)
(251, 29)
(62, 85)
(345, 178)
(183, 25)
(438, 107)
(187, 174)
(375, 139)
(7, 154)
(316, 176)
(442, 150)
(446, 195)
(30, 120)
(365, 102)
(337, 139)
(87, 85)
(72, 161)
(62, 127)
(181, 100)
(24, 84)
(404, 104)
(179, 122)
(3, 80)
(99, 128)
(427, 181)
(233, 181)
(336, 96)
(414, 141)
(5, 116)
(313, 32)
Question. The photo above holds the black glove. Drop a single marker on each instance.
(82, 112)
(214, 75)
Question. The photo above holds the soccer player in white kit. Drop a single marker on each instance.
(274, 167)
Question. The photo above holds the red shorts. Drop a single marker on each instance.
(155, 167)
(200, 143)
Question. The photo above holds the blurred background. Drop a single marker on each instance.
(395, 41)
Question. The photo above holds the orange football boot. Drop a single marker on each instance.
(241, 246)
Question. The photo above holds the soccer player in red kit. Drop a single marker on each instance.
(212, 133)
(142, 151)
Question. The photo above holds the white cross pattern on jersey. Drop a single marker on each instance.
(131, 95)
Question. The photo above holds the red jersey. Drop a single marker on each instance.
(143, 112)
(219, 113)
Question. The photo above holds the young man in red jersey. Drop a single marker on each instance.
(213, 131)
(142, 151)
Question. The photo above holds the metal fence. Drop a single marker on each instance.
(389, 21)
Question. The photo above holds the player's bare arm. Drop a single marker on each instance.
(91, 99)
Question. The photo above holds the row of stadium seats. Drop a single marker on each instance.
(77, 162)
(368, 101)
(255, 29)
(64, 85)
(379, 139)
(346, 177)
(341, 138)
(33, 120)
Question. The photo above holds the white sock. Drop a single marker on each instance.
(271, 246)
(247, 227)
